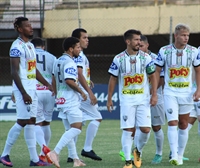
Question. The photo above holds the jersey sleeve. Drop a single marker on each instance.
(196, 61)
(150, 66)
(114, 67)
(160, 59)
(79, 61)
(70, 71)
(15, 51)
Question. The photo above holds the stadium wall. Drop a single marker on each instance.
(150, 20)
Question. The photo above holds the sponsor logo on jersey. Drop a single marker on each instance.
(113, 66)
(150, 68)
(71, 71)
(133, 91)
(60, 100)
(131, 80)
(198, 56)
(31, 76)
(179, 84)
(78, 59)
(159, 58)
(31, 65)
(41, 87)
(15, 52)
(178, 72)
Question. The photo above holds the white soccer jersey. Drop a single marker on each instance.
(65, 68)
(159, 90)
(82, 61)
(178, 68)
(45, 62)
(27, 66)
(132, 73)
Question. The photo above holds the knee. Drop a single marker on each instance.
(156, 128)
(183, 125)
(145, 130)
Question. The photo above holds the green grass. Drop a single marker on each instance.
(107, 144)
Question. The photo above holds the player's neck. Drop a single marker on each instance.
(23, 38)
(68, 54)
(179, 46)
(131, 52)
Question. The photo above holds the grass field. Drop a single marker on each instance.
(107, 144)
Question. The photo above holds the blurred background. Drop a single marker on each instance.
(105, 21)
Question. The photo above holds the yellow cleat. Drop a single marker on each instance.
(137, 158)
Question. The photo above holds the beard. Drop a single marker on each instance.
(30, 36)
(135, 49)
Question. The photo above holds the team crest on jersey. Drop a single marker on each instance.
(113, 66)
(131, 80)
(15, 52)
(71, 71)
(179, 72)
(31, 65)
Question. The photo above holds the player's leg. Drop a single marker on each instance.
(143, 119)
(158, 119)
(90, 112)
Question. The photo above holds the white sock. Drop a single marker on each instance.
(30, 138)
(142, 140)
(173, 140)
(72, 153)
(47, 133)
(199, 128)
(90, 134)
(127, 141)
(159, 139)
(40, 137)
(137, 132)
(12, 136)
(182, 141)
(66, 138)
(189, 126)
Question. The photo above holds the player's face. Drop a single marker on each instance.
(76, 50)
(135, 42)
(84, 41)
(182, 37)
(144, 46)
(26, 29)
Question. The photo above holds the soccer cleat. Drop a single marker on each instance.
(5, 160)
(173, 162)
(137, 158)
(39, 163)
(78, 163)
(128, 164)
(69, 160)
(184, 158)
(91, 154)
(53, 157)
(180, 160)
(43, 158)
(157, 159)
(121, 154)
(45, 149)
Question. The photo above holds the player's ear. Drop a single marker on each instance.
(128, 41)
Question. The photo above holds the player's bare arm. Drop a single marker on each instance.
(54, 85)
(154, 86)
(40, 78)
(196, 95)
(111, 87)
(71, 83)
(83, 82)
(15, 75)
(157, 73)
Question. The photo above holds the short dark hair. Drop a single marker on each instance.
(77, 32)
(69, 42)
(144, 38)
(128, 35)
(37, 42)
(18, 22)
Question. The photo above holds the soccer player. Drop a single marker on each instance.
(88, 107)
(157, 111)
(46, 100)
(68, 98)
(178, 59)
(132, 67)
(24, 74)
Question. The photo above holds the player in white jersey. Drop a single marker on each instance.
(68, 98)
(178, 59)
(157, 111)
(24, 74)
(132, 67)
(46, 100)
(88, 107)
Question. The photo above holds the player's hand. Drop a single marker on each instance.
(50, 87)
(91, 85)
(154, 99)
(84, 96)
(196, 96)
(93, 99)
(27, 99)
(109, 105)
